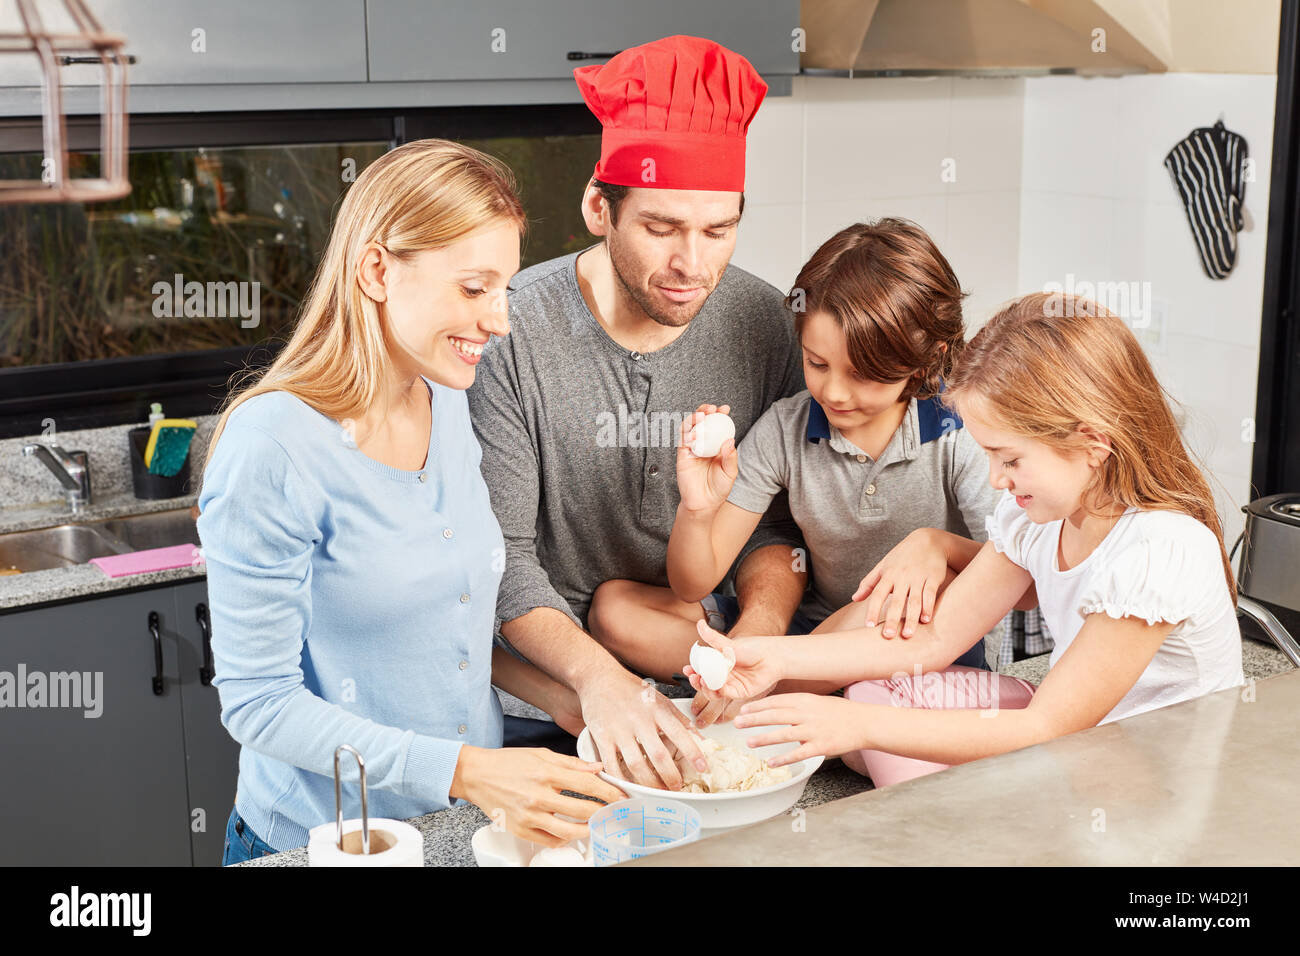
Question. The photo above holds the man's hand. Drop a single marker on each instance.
(630, 721)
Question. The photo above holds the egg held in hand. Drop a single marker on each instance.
(711, 664)
(710, 434)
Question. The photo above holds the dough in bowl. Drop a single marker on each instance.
(731, 770)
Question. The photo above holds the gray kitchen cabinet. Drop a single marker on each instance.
(525, 39)
(100, 778)
(211, 754)
(150, 779)
(241, 41)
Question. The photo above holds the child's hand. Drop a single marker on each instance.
(708, 708)
(909, 577)
(704, 483)
(825, 726)
(756, 671)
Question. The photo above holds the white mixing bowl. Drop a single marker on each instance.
(725, 810)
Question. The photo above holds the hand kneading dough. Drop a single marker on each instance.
(730, 770)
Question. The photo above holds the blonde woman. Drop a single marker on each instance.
(352, 554)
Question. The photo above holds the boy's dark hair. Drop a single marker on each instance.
(614, 196)
(892, 292)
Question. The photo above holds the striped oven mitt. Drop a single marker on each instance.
(1208, 167)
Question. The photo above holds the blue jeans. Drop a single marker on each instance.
(729, 607)
(241, 842)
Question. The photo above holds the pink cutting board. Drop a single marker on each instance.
(155, 559)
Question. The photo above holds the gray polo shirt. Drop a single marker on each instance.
(852, 509)
(580, 434)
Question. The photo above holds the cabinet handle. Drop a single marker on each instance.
(583, 55)
(205, 625)
(74, 60)
(155, 630)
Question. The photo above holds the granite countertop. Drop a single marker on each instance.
(61, 584)
(447, 833)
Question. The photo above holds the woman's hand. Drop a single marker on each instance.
(756, 671)
(909, 577)
(826, 726)
(568, 716)
(563, 706)
(704, 483)
(521, 788)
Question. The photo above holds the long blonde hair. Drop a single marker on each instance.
(1048, 364)
(423, 195)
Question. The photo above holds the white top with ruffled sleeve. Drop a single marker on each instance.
(1154, 565)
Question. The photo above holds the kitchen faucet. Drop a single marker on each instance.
(72, 468)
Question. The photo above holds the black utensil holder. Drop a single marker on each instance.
(148, 485)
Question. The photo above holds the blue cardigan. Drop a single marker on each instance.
(351, 602)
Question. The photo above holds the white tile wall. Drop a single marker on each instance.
(1055, 176)
(839, 151)
(1098, 202)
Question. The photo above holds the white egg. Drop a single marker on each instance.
(558, 856)
(711, 664)
(710, 433)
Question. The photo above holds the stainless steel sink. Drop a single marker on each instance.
(59, 547)
(72, 544)
(160, 529)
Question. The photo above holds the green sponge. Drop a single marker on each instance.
(169, 443)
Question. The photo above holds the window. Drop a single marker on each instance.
(199, 272)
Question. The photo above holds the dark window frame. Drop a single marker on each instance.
(105, 392)
(1275, 467)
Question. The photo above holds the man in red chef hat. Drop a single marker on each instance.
(579, 409)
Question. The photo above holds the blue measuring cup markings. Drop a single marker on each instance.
(630, 829)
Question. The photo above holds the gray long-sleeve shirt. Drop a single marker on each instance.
(580, 434)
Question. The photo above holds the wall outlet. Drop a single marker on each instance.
(1153, 336)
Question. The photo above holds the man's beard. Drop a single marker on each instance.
(658, 312)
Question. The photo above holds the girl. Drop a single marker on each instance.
(866, 453)
(1103, 515)
(352, 553)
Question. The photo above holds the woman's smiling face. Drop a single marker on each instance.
(442, 305)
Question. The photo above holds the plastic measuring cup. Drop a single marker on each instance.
(631, 829)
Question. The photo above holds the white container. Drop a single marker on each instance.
(635, 828)
(500, 847)
(724, 811)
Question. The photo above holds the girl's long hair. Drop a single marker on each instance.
(1048, 365)
(423, 195)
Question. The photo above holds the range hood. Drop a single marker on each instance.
(985, 37)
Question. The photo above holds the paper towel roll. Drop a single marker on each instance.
(392, 843)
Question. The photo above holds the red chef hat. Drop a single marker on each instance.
(683, 102)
